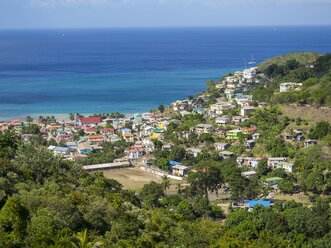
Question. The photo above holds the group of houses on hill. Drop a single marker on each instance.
(78, 138)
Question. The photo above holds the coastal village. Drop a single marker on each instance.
(165, 124)
(143, 133)
(82, 136)
(245, 163)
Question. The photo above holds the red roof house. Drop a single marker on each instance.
(83, 121)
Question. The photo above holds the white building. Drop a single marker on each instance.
(286, 166)
(221, 146)
(134, 153)
(246, 111)
(289, 86)
(248, 174)
(223, 120)
(250, 73)
(194, 151)
(203, 128)
(273, 162)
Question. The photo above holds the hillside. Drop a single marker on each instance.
(225, 158)
(310, 73)
(301, 57)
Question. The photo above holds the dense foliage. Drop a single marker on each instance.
(48, 202)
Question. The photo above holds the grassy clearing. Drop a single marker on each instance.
(135, 178)
(132, 178)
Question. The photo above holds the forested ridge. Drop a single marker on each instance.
(47, 202)
(310, 69)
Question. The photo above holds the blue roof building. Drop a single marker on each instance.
(252, 203)
(71, 144)
(59, 149)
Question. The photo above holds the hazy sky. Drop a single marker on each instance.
(142, 13)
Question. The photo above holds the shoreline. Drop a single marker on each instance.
(60, 117)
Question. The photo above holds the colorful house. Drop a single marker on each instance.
(158, 133)
(87, 121)
(84, 148)
(95, 139)
(126, 131)
(273, 181)
(249, 161)
(286, 166)
(180, 170)
(203, 128)
(134, 153)
(273, 162)
(233, 134)
(163, 124)
(17, 124)
(129, 137)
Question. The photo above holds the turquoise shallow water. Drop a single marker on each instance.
(130, 70)
(100, 93)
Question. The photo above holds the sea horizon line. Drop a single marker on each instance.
(167, 27)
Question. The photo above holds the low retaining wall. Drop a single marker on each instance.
(160, 173)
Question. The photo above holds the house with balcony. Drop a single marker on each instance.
(223, 120)
(248, 161)
(180, 170)
(134, 153)
(274, 161)
(203, 128)
(96, 139)
(286, 166)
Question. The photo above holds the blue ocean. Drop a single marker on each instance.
(131, 70)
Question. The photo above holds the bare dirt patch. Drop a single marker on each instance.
(132, 178)
(308, 113)
(302, 198)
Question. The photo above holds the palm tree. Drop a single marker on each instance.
(71, 116)
(179, 187)
(165, 182)
(29, 119)
(82, 241)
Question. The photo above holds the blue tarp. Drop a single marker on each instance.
(173, 163)
(253, 203)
